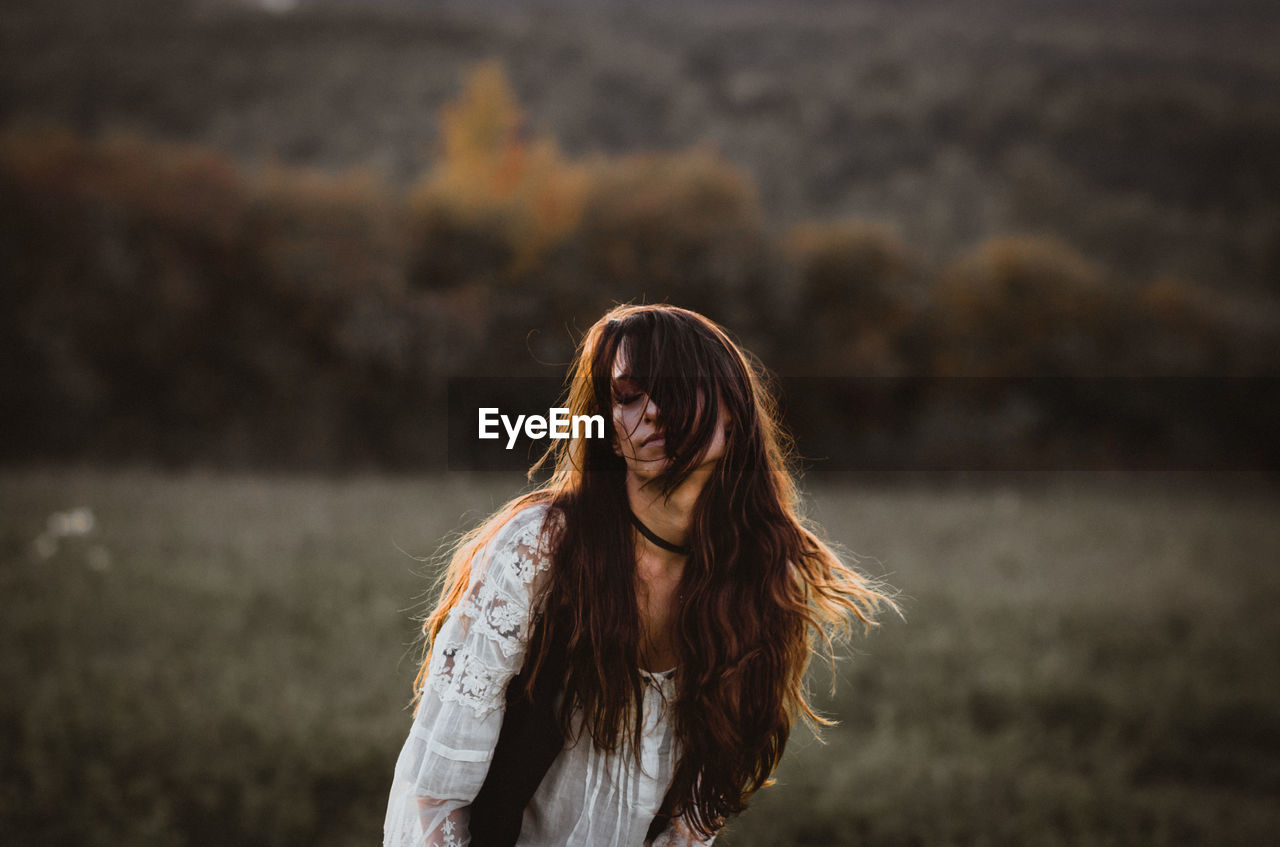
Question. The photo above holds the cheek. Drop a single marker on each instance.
(719, 444)
(721, 441)
(621, 425)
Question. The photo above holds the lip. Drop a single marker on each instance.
(655, 439)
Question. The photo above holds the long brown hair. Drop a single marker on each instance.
(760, 592)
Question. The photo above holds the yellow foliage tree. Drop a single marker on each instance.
(491, 175)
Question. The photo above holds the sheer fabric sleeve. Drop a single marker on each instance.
(476, 653)
(680, 834)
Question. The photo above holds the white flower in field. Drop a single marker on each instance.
(45, 546)
(99, 558)
(74, 523)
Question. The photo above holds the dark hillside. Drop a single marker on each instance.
(1145, 134)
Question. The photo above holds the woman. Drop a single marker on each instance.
(617, 658)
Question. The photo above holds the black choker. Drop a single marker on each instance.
(684, 550)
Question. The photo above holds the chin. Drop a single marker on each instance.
(648, 468)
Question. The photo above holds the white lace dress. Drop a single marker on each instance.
(586, 798)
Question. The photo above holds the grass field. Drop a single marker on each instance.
(217, 659)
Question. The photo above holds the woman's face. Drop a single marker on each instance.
(640, 441)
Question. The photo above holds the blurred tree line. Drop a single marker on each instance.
(165, 303)
(1144, 134)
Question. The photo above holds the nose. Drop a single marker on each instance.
(650, 410)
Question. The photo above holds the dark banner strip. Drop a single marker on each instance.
(934, 424)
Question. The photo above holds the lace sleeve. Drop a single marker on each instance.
(680, 834)
(476, 653)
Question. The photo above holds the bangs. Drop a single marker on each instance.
(681, 367)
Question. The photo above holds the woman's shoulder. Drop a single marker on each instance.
(528, 520)
(522, 545)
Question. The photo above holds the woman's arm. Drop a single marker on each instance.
(474, 656)
(443, 824)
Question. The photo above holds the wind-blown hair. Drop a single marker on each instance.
(760, 592)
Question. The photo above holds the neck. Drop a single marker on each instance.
(669, 517)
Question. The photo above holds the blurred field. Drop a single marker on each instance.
(225, 659)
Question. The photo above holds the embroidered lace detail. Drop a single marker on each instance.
(459, 677)
(498, 605)
(438, 826)
(450, 834)
(496, 610)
